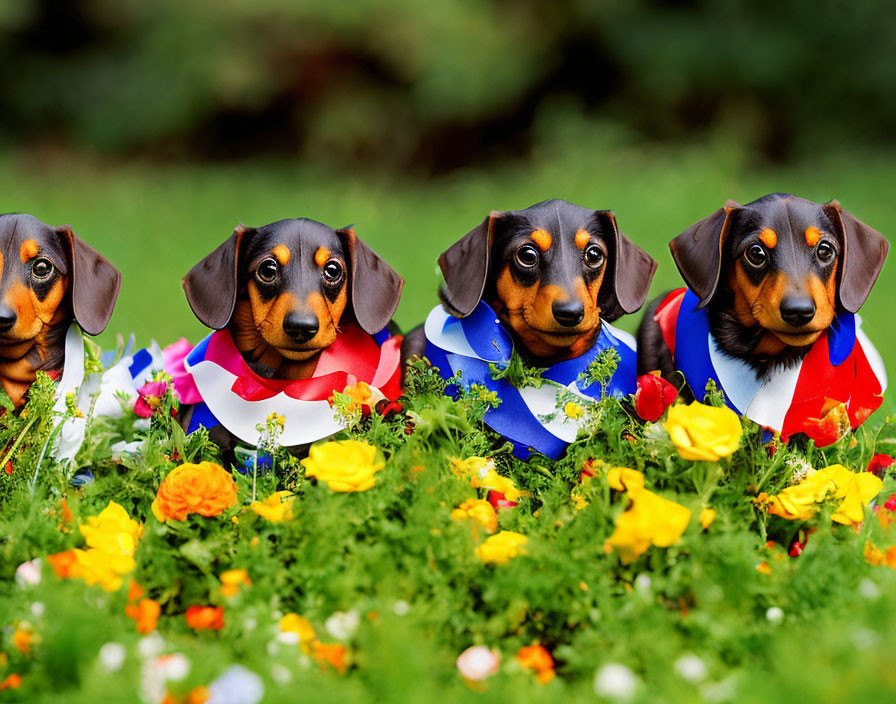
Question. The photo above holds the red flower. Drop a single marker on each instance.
(499, 501)
(653, 397)
(890, 504)
(150, 398)
(879, 464)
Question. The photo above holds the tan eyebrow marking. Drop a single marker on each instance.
(582, 238)
(813, 234)
(543, 239)
(28, 250)
(769, 237)
(321, 256)
(281, 251)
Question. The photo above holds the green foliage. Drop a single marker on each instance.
(396, 557)
(396, 84)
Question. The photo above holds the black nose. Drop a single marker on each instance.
(7, 318)
(301, 327)
(797, 311)
(568, 313)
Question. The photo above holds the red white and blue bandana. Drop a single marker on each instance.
(225, 390)
(842, 370)
(528, 416)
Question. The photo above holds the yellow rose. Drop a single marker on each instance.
(480, 511)
(345, 465)
(800, 502)
(702, 432)
(650, 520)
(277, 508)
(112, 530)
(623, 478)
(499, 549)
(205, 488)
(482, 474)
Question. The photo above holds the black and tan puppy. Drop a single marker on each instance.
(301, 312)
(551, 272)
(283, 289)
(49, 277)
(767, 315)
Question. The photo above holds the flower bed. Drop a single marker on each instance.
(414, 559)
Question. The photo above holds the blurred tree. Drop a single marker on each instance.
(438, 85)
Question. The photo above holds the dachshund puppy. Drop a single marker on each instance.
(543, 281)
(302, 311)
(767, 315)
(49, 278)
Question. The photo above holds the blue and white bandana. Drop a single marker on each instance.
(529, 417)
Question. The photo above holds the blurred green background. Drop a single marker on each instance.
(153, 128)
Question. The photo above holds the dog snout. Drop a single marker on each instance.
(568, 313)
(7, 318)
(797, 311)
(300, 327)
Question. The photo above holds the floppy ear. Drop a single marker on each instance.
(632, 273)
(211, 284)
(375, 287)
(698, 252)
(863, 256)
(95, 283)
(465, 268)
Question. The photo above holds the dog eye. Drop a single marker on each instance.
(333, 271)
(527, 256)
(267, 271)
(825, 252)
(593, 256)
(756, 255)
(42, 269)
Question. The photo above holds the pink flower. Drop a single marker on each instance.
(150, 398)
(478, 663)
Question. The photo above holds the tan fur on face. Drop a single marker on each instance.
(257, 330)
(582, 239)
(321, 256)
(528, 312)
(25, 346)
(813, 234)
(28, 251)
(542, 238)
(769, 237)
(282, 254)
(760, 305)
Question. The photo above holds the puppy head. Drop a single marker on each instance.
(787, 263)
(551, 272)
(48, 275)
(290, 284)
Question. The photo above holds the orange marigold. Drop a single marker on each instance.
(330, 654)
(204, 488)
(203, 618)
(146, 613)
(538, 659)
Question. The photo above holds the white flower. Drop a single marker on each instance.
(478, 662)
(289, 637)
(774, 614)
(401, 607)
(28, 573)
(112, 656)
(175, 666)
(642, 583)
(150, 645)
(238, 685)
(869, 589)
(691, 668)
(281, 674)
(615, 681)
(250, 624)
(37, 609)
(342, 626)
